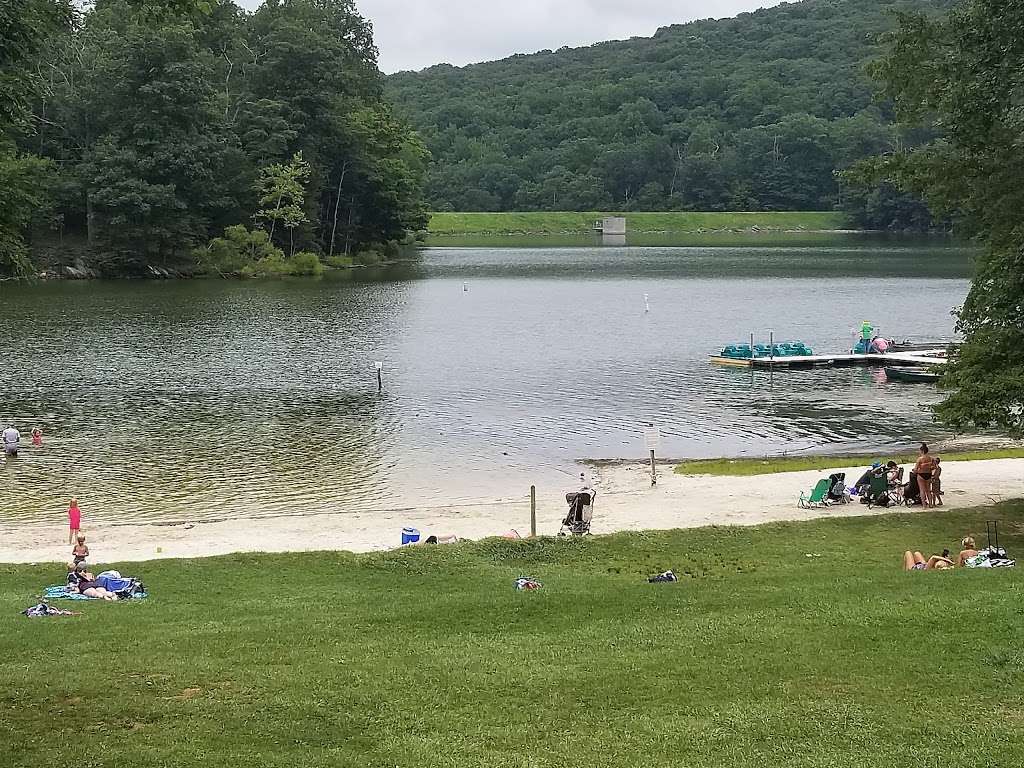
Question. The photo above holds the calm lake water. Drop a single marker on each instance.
(502, 366)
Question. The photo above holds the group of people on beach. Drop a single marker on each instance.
(924, 485)
(11, 439)
(79, 578)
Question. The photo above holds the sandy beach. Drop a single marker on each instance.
(625, 502)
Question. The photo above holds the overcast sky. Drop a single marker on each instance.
(413, 34)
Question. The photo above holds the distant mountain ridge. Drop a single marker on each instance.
(755, 112)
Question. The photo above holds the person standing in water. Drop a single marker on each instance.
(11, 437)
(74, 520)
(37, 437)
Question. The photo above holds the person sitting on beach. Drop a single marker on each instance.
(937, 483)
(895, 474)
(80, 551)
(84, 583)
(864, 482)
(970, 549)
(914, 561)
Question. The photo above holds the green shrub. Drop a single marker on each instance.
(306, 263)
(236, 252)
(339, 262)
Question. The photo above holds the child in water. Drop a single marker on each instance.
(37, 437)
(74, 520)
(80, 551)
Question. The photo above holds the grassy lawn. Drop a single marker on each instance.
(428, 657)
(543, 222)
(776, 464)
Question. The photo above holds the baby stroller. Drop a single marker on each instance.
(912, 492)
(581, 511)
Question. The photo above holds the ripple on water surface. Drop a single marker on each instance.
(206, 400)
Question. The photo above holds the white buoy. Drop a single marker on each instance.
(647, 304)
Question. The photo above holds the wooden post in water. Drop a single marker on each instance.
(533, 511)
(771, 345)
(380, 377)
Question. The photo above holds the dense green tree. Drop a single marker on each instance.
(159, 116)
(756, 112)
(282, 195)
(24, 179)
(962, 76)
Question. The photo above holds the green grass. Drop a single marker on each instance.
(775, 464)
(554, 223)
(427, 657)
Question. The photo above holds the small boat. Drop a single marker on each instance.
(916, 375)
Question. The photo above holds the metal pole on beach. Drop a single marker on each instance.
(533, 511)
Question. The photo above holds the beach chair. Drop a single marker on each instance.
(818, 496)
(879, 492)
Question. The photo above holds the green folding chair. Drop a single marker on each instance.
(818, 496)
(878, 487)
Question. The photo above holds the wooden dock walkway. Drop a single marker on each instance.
(910, 359)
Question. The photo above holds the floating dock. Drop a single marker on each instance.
(924, 358)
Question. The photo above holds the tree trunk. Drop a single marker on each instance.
(273, 222)
(348, 230)
(337, 202)
(90, 220)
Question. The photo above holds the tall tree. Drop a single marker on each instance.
(963, 75)
(24, 28)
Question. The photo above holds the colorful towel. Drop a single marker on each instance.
(61, 592)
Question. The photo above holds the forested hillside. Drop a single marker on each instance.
(752, 113)
(185, 134)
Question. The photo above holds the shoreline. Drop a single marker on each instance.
(625, 502)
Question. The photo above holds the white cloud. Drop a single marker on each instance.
(413, 34)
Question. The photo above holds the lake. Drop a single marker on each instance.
(201, 400)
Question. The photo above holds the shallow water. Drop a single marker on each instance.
(208, 399)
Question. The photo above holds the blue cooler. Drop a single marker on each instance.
(410, 536)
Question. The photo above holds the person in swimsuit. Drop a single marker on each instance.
(924, 469)
(81, 550)
(914, 561)
(84, 583)
(937, 482)
(970, 549)
(11, 437)
(74, 520)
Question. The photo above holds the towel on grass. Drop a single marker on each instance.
(61, 592)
